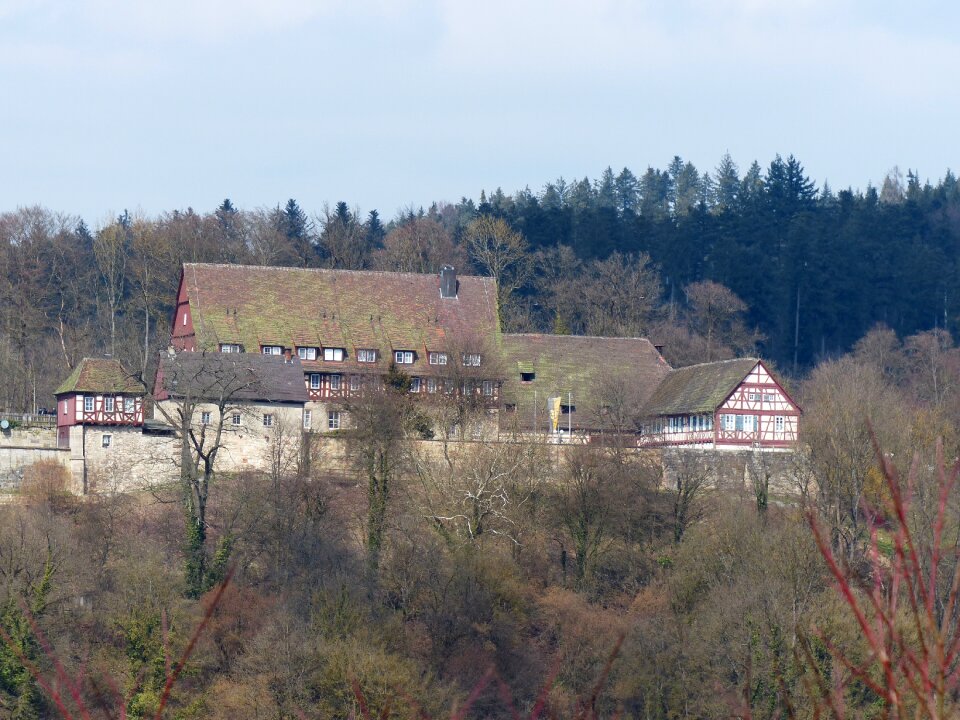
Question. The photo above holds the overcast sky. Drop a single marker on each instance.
(113, 104)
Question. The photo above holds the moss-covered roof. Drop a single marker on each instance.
(100, 375)
(578, 366)
(698, 388)
(296, 307)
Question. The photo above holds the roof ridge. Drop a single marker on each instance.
(716, 362)
(328, 270)
(585, 337)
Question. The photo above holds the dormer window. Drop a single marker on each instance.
(272, 350)
(108, 404)
(231, 348)
(403, 357)
(528, 376)
(307, 353)
(332, 354)
(471, 359)
(366, 356)
(438, 358)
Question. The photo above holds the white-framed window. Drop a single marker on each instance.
(748, 423)
(268, 420)
(438, 358)
(729, 422)
(272, 350)
(307, 353)
(129, 405)
(184, 317)
(314, 381)
(333, 420)
(415, 384)
(235, 419)
(403, 357)
(778, 423)
(230, 348)
(333, 354)
(106, 440)
(431, 385)
(87, 403)
(354, 383)
(366, 355)
(307, 419)
(471, 359)
(64, 407)
(205, 417)
(109, 404)
(488, 388)
(335, 381)
(769, 398)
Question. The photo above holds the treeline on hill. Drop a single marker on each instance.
(706, 263)
(404, 591)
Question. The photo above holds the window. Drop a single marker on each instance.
(230, 348)
(314, 381)
(333, 354)
(748, 423)
(335, 381)
(438, 358)
(267, 420)
(205, 417)
(109, 404)
(738, 420)
(431, 385)
(528, 376)
(307, 419)
(307, 353)
(510, 407)
(778, 423)
(272, 350)
(729, 422)
(403, 357)
(129, 405)
(488, 388)
(235, 420)
(184, 317)
(64, 407)
(415, 384)
(471, 359)
(769, 398)
(354, 383)
(366, 355)
(106, 440)
(333, 420)
(88, 404)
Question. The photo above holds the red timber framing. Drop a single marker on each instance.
(758, 413)
(94, 409)
(323, 386)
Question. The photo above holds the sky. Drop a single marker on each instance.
(108, 105)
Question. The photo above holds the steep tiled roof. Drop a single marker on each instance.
(235, 376)
(256, 306)
(698, 388)
(100, 375)
(563, 364)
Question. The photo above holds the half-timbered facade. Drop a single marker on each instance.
(348, 329)
(731, 404)
(99, 391)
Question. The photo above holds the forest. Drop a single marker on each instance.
(501, 580)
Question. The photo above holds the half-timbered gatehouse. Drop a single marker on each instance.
(731, 404)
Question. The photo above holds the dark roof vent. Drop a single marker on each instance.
(448, 282)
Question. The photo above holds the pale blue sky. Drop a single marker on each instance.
(112, 104)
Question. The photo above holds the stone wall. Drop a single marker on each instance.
(24, 446)
(737, 471)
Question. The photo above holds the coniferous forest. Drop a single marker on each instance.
(503, 579)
